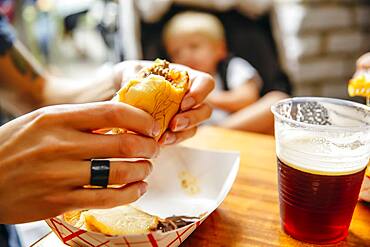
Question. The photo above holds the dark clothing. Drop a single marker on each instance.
(6, 35)
(222, 70)
(246, 38)
(4, 117)
(8, 234)
(279, 85)
(6, 42)
(7, 38)
(70, 22)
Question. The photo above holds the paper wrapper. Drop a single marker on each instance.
(210, 175)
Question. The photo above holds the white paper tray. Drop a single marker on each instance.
(214, 172)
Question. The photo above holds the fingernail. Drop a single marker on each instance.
(181, 123)
(170, 139)
(156, 129)
(143, 188)
(187, 103)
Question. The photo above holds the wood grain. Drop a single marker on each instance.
(249, 216)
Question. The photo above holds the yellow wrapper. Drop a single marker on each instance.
(359, 86)
(158, 90)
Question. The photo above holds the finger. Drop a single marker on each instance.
(127, 70)
(93, 116)
(202, 84)
(121, 172)
(115, 146)
(170, 138)
(101, 131)
(363, 63)
(190, 118)
(107, 198)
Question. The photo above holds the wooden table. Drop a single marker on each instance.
(249, 216)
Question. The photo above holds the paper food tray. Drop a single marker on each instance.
(214, 173)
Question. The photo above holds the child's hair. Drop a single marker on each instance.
(191, 22)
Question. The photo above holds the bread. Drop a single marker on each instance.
(122, 220)
(157, 90)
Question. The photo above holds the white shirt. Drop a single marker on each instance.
(238, 72)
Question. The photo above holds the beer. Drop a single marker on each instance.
(322, 148)
(317, 195)
(317, 208)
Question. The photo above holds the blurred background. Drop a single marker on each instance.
(313, 44)
(316, 41)
(319, 42)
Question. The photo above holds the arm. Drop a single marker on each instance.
(20, 72)
(27, 86)
(257, 117)
(47, 144)
(54, 135)
(238, 98)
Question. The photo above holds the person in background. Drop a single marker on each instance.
(363, 64)
(241, 99)
(45, 154)
(143, 20)
(28, 86)
(359, 85)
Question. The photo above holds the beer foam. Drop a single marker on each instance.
(322, 154)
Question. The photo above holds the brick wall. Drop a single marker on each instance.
(319, 42)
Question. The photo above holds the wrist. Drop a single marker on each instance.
(118, 75)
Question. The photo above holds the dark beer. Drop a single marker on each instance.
(317, 208)
(322, 146)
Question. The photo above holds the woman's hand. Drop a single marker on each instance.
(45, 159)
(193, 109)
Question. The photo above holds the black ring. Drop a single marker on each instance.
(99, 172)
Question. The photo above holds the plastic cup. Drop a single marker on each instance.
(322, 148)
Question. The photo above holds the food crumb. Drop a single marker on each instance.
(188, 183)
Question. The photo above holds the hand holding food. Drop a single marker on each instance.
(157, 90)
(363, 64)
(45, 159)
(359, 85)
(192, 110)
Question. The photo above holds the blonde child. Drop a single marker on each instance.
(197, 40)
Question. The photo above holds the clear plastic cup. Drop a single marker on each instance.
(322, 148)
